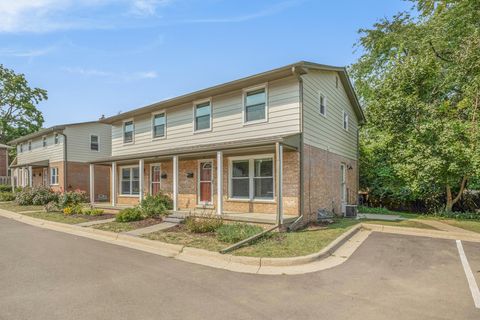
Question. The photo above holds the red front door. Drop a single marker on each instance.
(205, 182)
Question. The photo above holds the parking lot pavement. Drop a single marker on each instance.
(51, 275)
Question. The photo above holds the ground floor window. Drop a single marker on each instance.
(251, 178)
(156, 178)
(130, 181)
(54, 175)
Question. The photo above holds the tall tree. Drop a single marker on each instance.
(419, 76)
(18, 106)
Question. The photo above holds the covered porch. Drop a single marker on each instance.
(30, 174)
(255, 181)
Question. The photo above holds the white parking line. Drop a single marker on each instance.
(468, 272)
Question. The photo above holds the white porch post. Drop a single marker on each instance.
(175, 183)
(92, 184)
(113, 195)
(13, 174)
(219, 182)
(30, 176)
(279, 181)
(141, 166)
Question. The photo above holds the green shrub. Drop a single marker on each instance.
(72, 198)
(5, 188)
(52, 206)
(203, 225)
(92, 212)
(6, 196)
(35, 196)
(232, 233)
(129, 214)
(153, 206)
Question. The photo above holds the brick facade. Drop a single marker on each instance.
(322, 181)
(3, 162)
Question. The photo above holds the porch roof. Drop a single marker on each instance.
(36, 164)
(290, 141)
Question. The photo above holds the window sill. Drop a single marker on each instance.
(252, 201)
(251, 123)
(129, 195)
(202, 131)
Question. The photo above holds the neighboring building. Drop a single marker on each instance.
(4, 175)
(282, 142)
(43, 156)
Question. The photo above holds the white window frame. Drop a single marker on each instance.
(151, 176)
(345, 120)
(195, 104)
(244, 105)
(251, 178)
(153, 125)
(98, 142)
(44, 141)
(325, 101)
(198, 182)
(54, 176)
(56, 138)
(123, 131)
(343, 183)
(131, 180)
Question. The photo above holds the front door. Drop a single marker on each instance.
(156, 177)
(205, 182)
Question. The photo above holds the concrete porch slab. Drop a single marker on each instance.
(150, 229)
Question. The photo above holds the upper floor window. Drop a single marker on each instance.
(44, 142)
(345, 120)
(159, 121)
(56, 138)
(94, 143)
(322, 102)
(29, 145)
(203, 116)
(128, 128)
(255, 102)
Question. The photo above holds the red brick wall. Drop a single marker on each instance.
(322, 181)
(3, 162)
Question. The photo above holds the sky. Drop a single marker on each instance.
(102, 57)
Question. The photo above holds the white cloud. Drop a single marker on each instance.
(25, 53)
(52, 15)
(112, 76)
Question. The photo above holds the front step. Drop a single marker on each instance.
(173, 219)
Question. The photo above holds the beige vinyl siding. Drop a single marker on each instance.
(227, 122)
(52, 152)
(327, 132)
(78, 142)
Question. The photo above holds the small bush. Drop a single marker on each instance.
(92, 212)
(232, 233)
(67, 211)
(5, 188)
(203, 225)
(72, 198)
(75, 209)
(6, 196)
(153, 206)
(35, 196)
(129, 214)
(52, 206)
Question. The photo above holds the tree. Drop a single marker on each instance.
(419, 76)
(18, 112)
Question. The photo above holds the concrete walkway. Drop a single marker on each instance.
(94, 222)
(156, 227)
(443, 226)
(384, 217)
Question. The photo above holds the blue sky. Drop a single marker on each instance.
(105, 56)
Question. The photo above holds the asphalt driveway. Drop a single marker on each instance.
(50, 275)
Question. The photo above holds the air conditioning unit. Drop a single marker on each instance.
(351, 211)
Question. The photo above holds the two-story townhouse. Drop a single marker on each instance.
(59, 157)
(283, 143)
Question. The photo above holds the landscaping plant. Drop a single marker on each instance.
(35, 196)
(92, 212)
(154, 206)
(129, 214)
(72, 198)
(203, 225)
(5, 188)
(6, 196)
(235, 232)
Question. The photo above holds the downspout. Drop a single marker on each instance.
(65, 163)
(301, 188)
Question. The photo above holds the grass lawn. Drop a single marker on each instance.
(464, 224)
(275, 244)
(12, 206)
(118, 227)
(57, 217)
(401, 223)
(409, 215)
